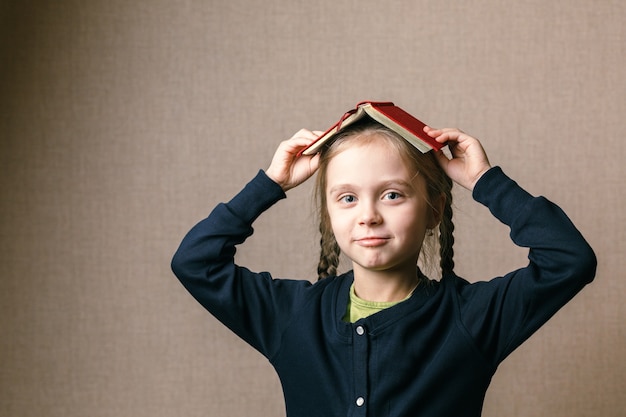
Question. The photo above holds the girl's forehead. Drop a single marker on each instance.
(357, 151)
(374, 148)
(367, 140)
(369, 162)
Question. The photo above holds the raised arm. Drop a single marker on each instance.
(502, 313)
(249, 303)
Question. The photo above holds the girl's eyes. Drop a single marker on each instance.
(350, 199)
(392, 195)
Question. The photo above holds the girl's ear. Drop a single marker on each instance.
(437, 206)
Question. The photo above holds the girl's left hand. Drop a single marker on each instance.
(469, 160)
(287, 169)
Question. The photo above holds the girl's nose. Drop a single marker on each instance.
(369, 215)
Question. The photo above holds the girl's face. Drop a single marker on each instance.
(379, 210)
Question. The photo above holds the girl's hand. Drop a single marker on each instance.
(469, 160)
(287, 169)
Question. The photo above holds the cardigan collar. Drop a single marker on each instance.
(423, 294)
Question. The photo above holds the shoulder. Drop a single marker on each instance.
(468, 295)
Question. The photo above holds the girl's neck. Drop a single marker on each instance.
(384, 286)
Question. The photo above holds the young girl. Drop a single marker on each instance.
(383, 339)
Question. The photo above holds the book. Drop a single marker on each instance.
(387, 114)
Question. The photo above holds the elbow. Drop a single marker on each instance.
(178, 265)
(589, 265)
(189, 264)
(185, 269)
(585, 264)
(175, 265)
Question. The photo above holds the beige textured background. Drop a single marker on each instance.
(123, 122)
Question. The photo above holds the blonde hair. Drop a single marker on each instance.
(438, 185)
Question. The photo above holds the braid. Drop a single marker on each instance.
(446, 237)
(329, 256)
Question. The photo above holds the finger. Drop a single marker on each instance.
(438, 131)
(443, 135)
(314, 162)
(449, 133)
(298, 141)
(305, 133)
(442, 159)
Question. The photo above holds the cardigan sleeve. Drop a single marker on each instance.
(502, 313)
(250, 304)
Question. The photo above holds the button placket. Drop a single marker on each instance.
(360, 367)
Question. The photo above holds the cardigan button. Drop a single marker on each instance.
(360, 401)
(360, 330)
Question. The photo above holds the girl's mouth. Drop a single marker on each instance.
(372, 241)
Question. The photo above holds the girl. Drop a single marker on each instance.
(383, 339)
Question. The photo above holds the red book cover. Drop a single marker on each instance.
(407, 121)
(389, 115)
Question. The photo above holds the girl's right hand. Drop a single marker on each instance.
(469, 160)
(289, 170)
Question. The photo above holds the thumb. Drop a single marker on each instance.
(442, 159)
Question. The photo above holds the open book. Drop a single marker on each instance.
(389, 115)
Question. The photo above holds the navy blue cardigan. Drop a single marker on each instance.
(431, 355)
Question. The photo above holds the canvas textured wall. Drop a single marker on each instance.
(122, 123)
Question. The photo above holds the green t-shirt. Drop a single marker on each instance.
(359, 308)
